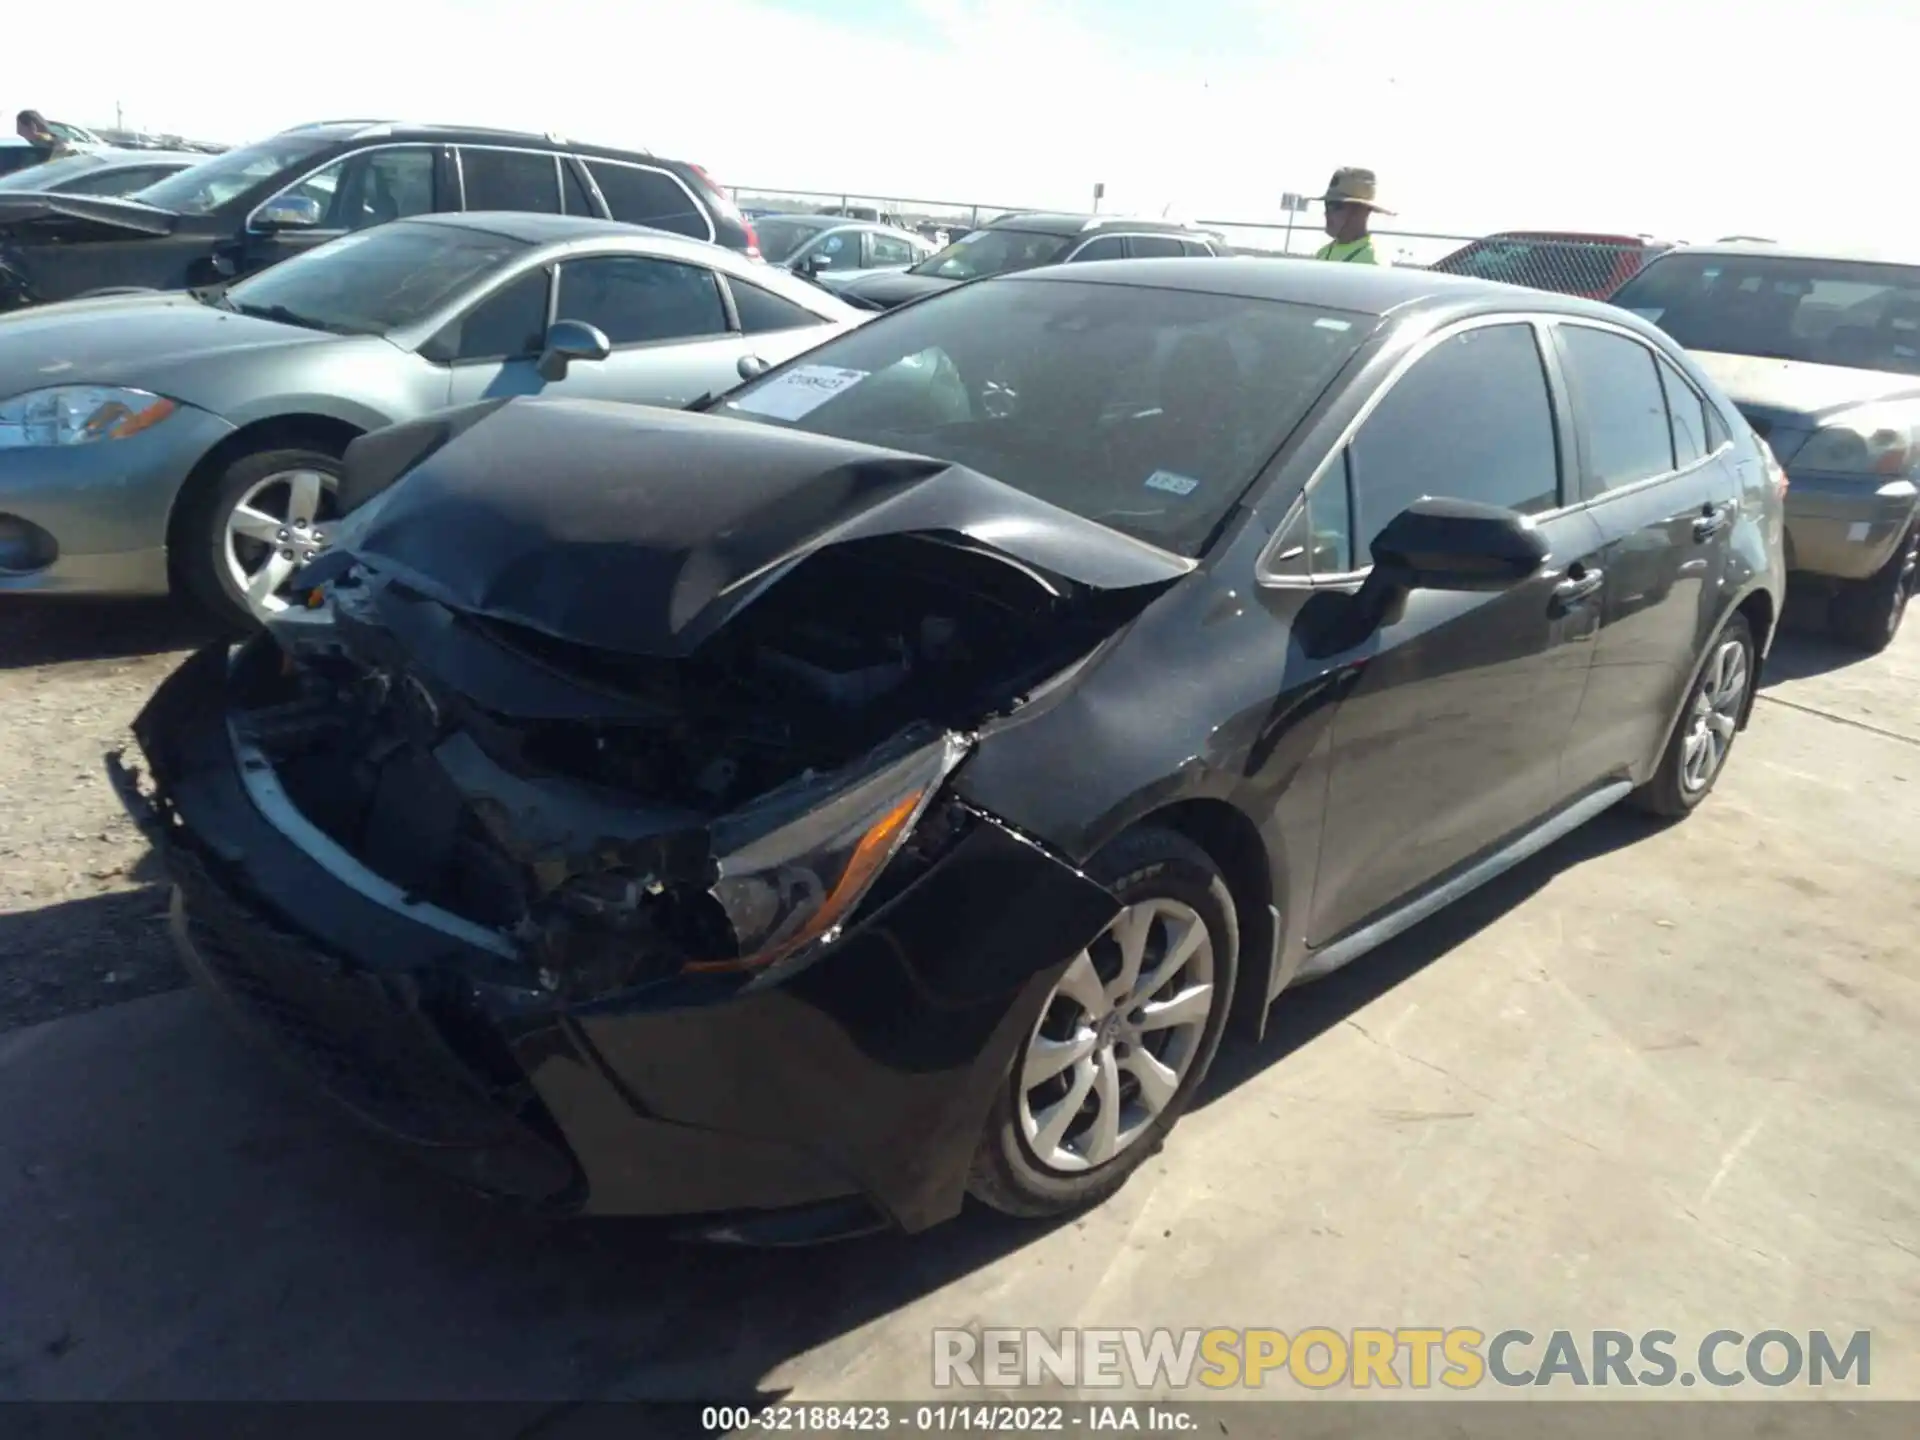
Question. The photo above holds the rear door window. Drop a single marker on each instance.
(1688, 412)
(1625, 430)
(641, 196)
(510, 180)
(1107, 247)
(574, 195)
(761, 311)
(1154, 247)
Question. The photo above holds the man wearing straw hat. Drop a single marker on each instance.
(1350, 207)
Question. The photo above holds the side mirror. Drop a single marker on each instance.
(1458, 545)
(568, 341)
(751, 366)
(288, 212)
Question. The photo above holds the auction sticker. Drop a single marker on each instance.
(800, 390)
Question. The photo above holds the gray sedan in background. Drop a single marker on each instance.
(192, 440)
(99, 172)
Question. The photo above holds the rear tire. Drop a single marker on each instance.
(1697, 751)
(280, 483)
(1140, 1038)
(1866, 614)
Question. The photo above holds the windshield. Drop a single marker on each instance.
(1830, 312)
(51, 173)
(1573, 267)
(780, 238)
(993, 252)
(204, 188)
(375, 281)
(1149, 411)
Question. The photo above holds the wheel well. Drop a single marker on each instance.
(317, 432)
(1233, 842)
(1758, 610)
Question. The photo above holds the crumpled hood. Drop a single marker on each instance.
(1781, 388)
(644, 531)
(129, 215)
(138, 340)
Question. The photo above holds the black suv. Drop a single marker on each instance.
(1023, 242)
(245, 209)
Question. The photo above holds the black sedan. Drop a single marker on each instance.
(886, 783)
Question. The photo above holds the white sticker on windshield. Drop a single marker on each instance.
(1325, 324)
(1649, 313)
(1173, 484)
(792, 395)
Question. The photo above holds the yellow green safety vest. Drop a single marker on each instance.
(1357, 252)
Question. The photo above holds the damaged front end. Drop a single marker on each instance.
(588, 852)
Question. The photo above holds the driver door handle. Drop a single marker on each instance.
(1578, 587)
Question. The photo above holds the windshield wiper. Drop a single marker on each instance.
(282, 315)
(704, 403)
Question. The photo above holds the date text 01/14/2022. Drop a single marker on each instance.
(979, 1419)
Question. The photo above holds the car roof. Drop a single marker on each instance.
(341, 130)
(1055, 222)
(1377, 290)
(1768, 250)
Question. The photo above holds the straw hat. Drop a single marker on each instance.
(1353, 186)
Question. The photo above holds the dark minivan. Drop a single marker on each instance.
(245, 209)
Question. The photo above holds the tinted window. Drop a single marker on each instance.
(779, 239)
(993, 252)
(636, 300)
(1196, 248)
(509, 180)
(1470, 421)
(378, 279)
(1829, 312)
(509, 325)
(649, 197)
(890, 250)
(58, 174)
(1149, 411)
(1155, 247)
(1107, 247)
(1623, 413)
(1717, 434)
(371, 188)
(1330, 522)
(1689, 416)
(762, 311)
(573, 191)
(1576, 268)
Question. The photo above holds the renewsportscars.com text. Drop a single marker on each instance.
(1461, 1358)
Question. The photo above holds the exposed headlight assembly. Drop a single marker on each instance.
(1873, 440)
(78, 415)
(795, 866)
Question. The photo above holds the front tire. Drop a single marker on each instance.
(1698, 749)
(1867, 613)
(1123, 1041)
(241, 537)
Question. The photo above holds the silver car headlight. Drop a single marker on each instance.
(78, 415)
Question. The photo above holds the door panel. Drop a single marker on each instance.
(1451, 736)
(1664, 541)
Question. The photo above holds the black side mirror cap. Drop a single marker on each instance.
(1460, 545)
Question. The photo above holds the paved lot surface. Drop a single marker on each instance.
(1653, 1079)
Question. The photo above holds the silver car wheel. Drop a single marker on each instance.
(1117, 1036)
(277, 526)
(1715, 716)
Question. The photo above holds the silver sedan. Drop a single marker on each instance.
(192, 440)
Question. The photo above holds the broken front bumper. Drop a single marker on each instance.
(855, 1087)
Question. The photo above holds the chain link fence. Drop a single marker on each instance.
(1571, 264)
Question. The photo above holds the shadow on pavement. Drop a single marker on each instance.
(185, 1224)
(83, 954)
(51, 630)
(1801, 652)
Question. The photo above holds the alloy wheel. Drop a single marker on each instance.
(278, 525)
(1715, 716)
(1117, 1037)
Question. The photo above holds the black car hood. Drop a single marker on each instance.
(644, 531)
(896, 287)
(129, 216)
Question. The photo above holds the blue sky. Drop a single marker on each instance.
(1685, 118)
